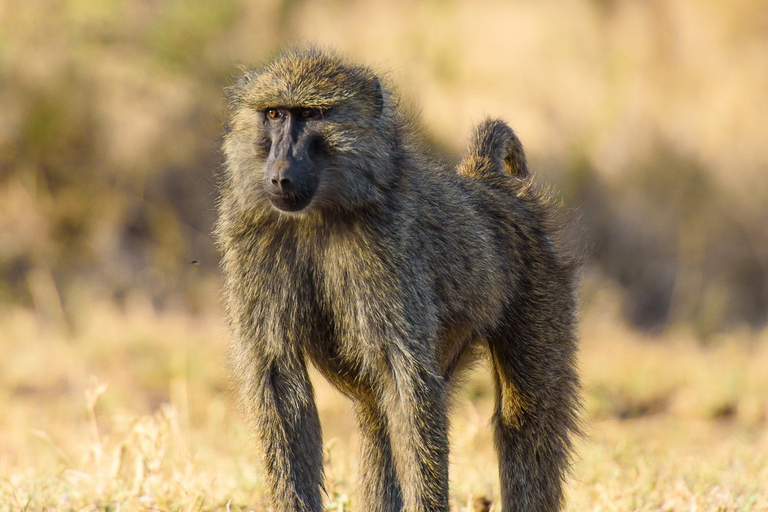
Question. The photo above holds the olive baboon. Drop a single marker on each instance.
(345, 246)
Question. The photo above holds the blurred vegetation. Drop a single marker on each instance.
(650, 117)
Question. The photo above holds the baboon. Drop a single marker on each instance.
(345, 246)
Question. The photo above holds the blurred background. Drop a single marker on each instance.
(649, 118)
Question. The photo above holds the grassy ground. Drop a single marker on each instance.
(130, 409)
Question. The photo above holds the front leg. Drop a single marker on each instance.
(280, 399)
(416, 407)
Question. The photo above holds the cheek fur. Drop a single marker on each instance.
(263, 145)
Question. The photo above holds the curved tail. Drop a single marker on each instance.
(494, 149)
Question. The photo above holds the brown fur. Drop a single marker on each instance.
(388, 281)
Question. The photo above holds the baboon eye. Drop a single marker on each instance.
(274, 113)
(308, 113)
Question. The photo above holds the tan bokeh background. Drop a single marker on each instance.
(650, 118)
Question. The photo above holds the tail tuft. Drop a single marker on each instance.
(493, 149)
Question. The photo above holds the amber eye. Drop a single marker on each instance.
(308, 113)
(273, 113)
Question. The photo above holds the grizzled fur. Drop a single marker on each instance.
(392, 280)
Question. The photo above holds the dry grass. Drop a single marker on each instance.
(132, 411)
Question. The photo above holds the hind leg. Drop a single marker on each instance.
(536, 411)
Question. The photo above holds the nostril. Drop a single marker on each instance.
(280, 184)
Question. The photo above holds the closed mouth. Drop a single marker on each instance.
(290, 202)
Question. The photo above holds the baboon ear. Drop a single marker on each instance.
(244, 79)
(378, 96)
(246, 76)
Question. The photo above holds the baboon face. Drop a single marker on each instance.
(295, 155)
(309, 134)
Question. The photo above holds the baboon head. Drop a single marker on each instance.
(308, 131)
